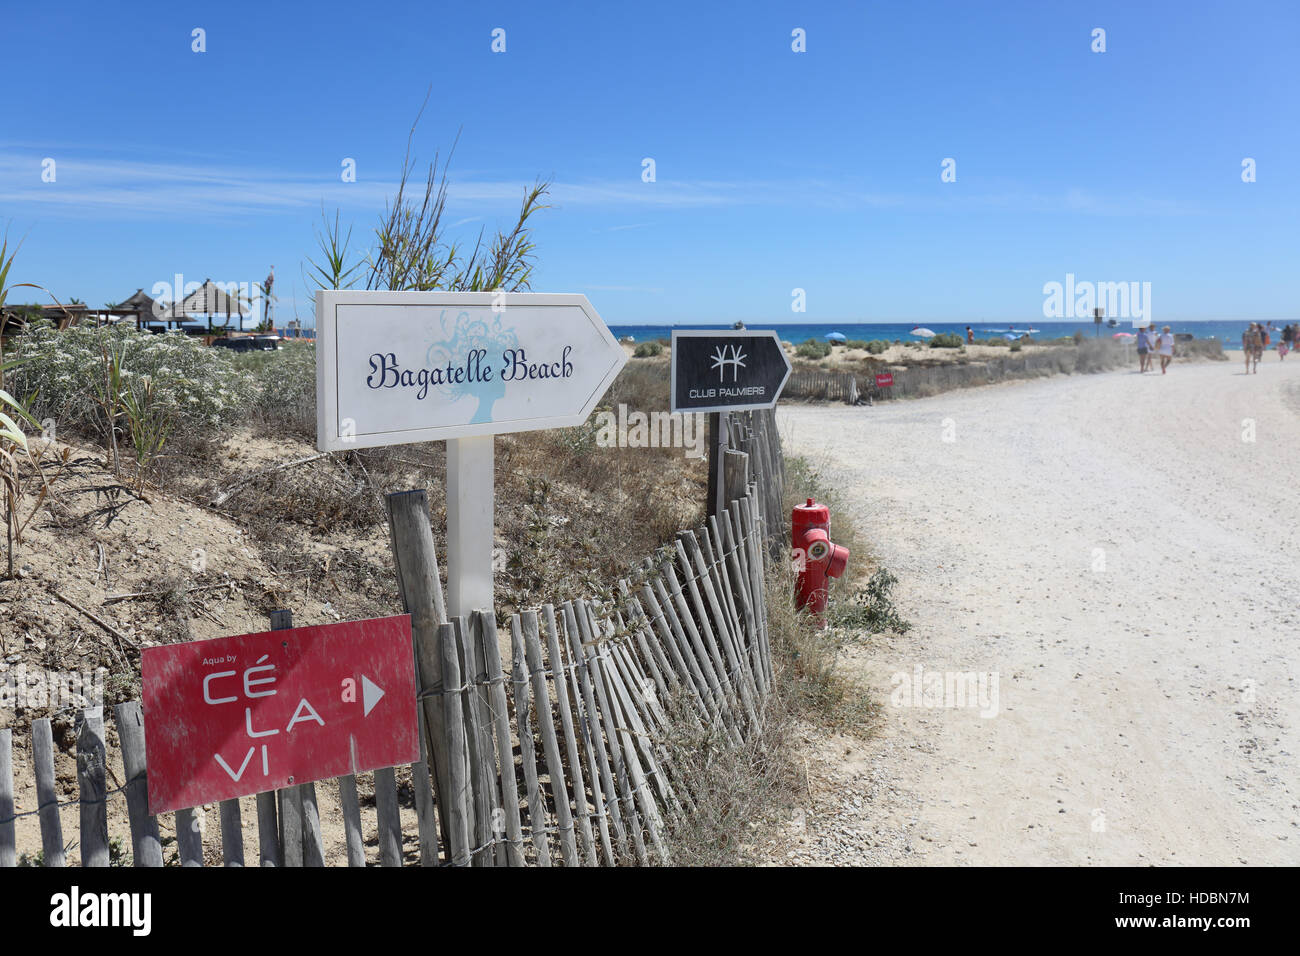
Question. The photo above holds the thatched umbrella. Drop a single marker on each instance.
(211, 299)
(143, 306)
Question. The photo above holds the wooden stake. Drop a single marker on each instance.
(570, 738)
(537, 823)
(550, 745)
(587, 730)
(146, 848)
(93, 785)
(455, 807)
(8, 840)
(514, 845)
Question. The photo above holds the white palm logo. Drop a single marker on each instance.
(721, 360)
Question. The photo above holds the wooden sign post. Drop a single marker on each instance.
(720, 372)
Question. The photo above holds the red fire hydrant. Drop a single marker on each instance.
(816, 558)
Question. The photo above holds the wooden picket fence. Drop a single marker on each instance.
(566, 759)
(820, 385)
(754, 458)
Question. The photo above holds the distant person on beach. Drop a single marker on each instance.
(970, 336)
(1252, 347)
(1144, 349)
(1166, 343)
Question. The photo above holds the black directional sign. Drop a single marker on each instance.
(723, 371)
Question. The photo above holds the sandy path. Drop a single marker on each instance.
(1129, 567)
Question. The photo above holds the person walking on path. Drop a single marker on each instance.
(1144, 348)
(1251, 346)
(1166, 343)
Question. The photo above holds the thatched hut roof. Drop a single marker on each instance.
(211, 299)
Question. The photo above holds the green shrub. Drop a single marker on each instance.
(813, 349)
(946, 340)
(854, 344)
(871, 609)
(648, 350)
(876, 346)
(1015, 346)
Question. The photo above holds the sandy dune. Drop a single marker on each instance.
(1127, 563)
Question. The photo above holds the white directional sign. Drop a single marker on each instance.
(397, 367)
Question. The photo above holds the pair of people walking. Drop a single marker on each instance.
(1150, 344)
(1257, 338)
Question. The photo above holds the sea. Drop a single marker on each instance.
(1227, 331)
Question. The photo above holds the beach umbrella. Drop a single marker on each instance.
(836, 337)
(1010, 335)
(923, 332)
(1122, 335)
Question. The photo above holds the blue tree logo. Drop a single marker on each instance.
(460, 338)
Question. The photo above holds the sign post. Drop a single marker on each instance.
(470, 523)
(398, 367)
(720, 372)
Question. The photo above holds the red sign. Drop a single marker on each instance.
(884, 379)
(238, 715)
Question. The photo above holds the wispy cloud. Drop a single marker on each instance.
(121, 188)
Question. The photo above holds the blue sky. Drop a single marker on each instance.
(775, 170)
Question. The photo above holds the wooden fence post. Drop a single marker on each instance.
(420, 585)
(390, 821)
(587, 729)
(514, 845)
(719, 438)
(455, 806)
(527, 747)
(351, 808)
(479, 747)
(232, 834)
(189, 838)
(570, 738)
(146, 848)
(93, 788)
(46, 799)
(8, 841)
(550, 744)
(268, 831)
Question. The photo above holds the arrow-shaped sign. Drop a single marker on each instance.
(722, 371)
(395, 367)
(370, 694)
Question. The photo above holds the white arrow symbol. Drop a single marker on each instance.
(370, 694)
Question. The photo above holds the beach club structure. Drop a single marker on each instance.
(210, 310)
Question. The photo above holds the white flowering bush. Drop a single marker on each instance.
(63, 374)
(285, 381)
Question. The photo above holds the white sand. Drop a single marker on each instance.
(1150, 711)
